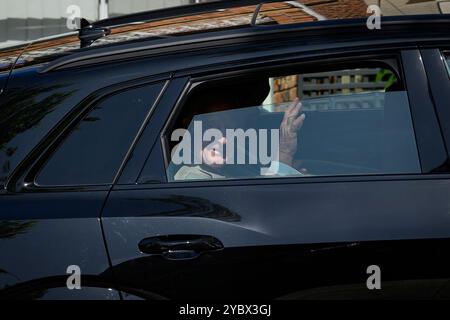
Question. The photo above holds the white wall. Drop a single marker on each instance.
(119, 7)
(52, 9)
(22, 20)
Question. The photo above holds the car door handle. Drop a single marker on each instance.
(180, 247)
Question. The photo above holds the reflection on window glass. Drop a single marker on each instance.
(94, 150)
(348, 122)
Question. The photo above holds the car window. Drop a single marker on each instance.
(94, 150)
(338, 122)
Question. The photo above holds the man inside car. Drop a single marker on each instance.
(217, 113)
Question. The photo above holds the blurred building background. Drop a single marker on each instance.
(23, 20)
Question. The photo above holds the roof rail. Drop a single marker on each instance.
(91, 31)
(178, 11)
(438, 24)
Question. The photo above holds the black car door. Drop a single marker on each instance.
(314, 236)
(51, 204)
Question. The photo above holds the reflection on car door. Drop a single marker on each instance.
(290, 238)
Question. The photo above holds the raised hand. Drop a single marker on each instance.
(292, 122)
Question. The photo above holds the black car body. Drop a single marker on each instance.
(134, 234)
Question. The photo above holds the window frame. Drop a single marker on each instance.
(23, 179)
(162, 151)
(196, 81)
(437, 71)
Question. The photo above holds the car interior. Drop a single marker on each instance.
(357, 131)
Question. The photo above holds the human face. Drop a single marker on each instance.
(214, 154)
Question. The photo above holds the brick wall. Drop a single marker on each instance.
(286, 88)
(341, 9)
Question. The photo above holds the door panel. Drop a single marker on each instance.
(290, 238)
(275, 246)
(50, 215)
(41, 235)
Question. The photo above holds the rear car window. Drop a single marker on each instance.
(345, 122)
(94, 149)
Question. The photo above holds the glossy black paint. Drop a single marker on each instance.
(321, 271)
(259, 221)
(34, 250)
(266, 219)
(440, 88)
(432, 152)
(282, 238)
(3, 79)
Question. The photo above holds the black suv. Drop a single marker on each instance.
(89, 188)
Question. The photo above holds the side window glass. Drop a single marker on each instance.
(327, 123)
(95, 148)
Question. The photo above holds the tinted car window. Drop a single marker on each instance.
(351, 122)
(94, 150)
